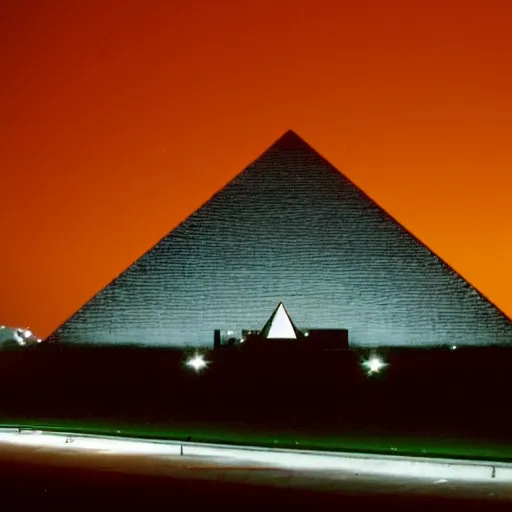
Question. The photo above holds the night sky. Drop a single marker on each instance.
(120, 117)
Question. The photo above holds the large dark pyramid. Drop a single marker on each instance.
(289, 228)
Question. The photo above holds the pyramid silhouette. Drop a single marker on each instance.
(280, 325)
(290, 228)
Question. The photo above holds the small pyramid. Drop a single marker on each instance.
(280, 325)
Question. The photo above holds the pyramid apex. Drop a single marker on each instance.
(290, 140)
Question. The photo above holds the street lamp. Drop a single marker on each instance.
(197, 362)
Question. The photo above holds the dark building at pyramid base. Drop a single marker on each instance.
(289, 228)
(279, 332)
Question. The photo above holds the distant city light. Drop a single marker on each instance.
(19, 335)
(374, 365)
(197, 362)
(454, 347)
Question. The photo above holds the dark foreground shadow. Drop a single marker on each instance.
(455, 402)
(48, 487)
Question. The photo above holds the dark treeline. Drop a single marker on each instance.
(461, 393)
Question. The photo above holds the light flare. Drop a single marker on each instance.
(374, 365)
(197, 362)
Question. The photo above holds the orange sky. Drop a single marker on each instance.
(118, 118)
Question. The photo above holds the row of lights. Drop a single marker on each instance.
(373, 365)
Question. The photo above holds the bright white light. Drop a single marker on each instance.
(454, 347)
(197, 362)
(88, 443)
(419, 467)
(374, 365)
(27, 333)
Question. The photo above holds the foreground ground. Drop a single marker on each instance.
(433, 403)
(65, 477)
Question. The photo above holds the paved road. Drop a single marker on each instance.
(64, 477)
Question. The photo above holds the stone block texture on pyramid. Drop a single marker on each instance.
(289, 228)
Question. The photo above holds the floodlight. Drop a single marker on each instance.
(197, 362)
(374, 365)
